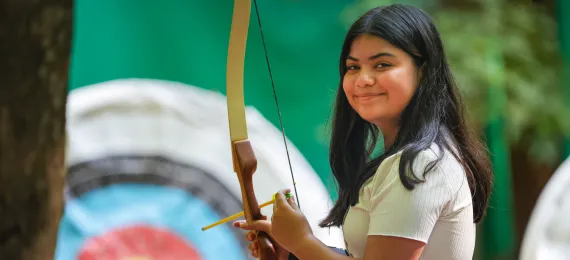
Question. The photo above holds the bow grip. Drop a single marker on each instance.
(266, 249)
(245, 164)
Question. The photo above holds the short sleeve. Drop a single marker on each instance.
(396, 211)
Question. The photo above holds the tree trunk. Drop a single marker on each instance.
(35, 43)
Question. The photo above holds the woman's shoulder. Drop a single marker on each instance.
(425, 167)
(424, 158)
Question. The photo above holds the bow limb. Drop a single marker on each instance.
(244, 161)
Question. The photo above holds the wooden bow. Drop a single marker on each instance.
(244, 160)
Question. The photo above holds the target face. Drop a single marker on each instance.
(138, 243)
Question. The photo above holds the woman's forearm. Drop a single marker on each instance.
(313, 248)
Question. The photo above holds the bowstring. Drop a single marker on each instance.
(276, 101)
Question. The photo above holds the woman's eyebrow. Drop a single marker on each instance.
(375, 56)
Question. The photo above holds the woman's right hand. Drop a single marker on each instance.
(282, 253)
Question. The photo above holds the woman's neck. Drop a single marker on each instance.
(389, 132)
(388, 141)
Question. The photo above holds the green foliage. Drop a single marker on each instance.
(505, 57)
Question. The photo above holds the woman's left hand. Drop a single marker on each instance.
(289, 226)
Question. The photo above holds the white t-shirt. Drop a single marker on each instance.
(438, 211)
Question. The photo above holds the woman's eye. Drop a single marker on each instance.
(382, 65)
(351, 67)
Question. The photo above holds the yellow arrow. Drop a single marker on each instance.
(232, 217)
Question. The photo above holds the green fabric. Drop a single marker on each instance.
(187, 41)
(498, 241)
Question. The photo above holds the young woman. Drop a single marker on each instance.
(421, 198)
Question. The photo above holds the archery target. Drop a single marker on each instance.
(547, 235)
(150, 164)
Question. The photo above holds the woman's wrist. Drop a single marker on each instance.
(306, 246)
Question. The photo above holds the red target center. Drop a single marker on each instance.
(138, 243)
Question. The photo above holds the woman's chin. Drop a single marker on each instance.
(372, 118)
(377, 118)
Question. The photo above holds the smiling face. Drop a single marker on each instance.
(380, 80)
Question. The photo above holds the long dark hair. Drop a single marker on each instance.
(435, 114)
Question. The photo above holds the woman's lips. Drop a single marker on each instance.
(367, 97)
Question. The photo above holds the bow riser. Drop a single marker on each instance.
(245, 164)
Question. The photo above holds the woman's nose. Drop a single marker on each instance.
(365, 79)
